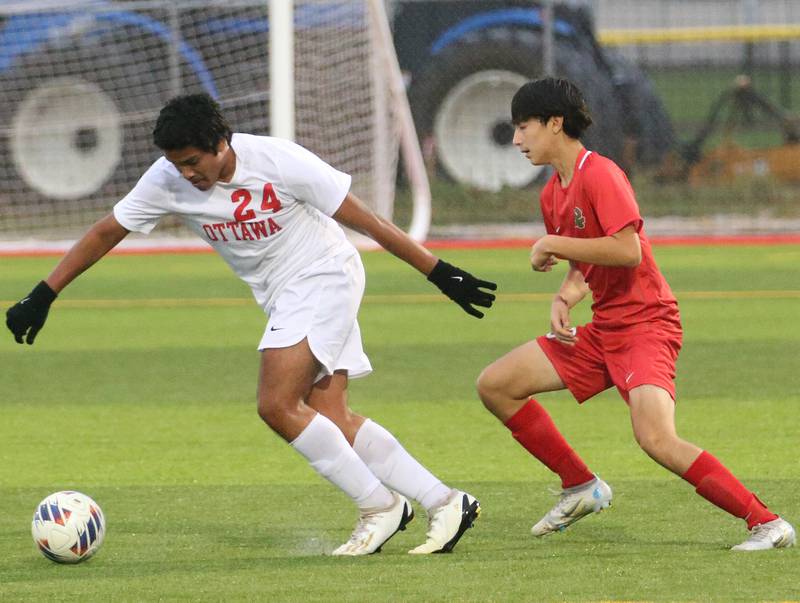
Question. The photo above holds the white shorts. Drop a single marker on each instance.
(321, 303)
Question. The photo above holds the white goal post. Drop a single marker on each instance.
(388, 86)
(409, 143)
(82, 81)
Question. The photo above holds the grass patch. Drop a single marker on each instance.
(151, 411)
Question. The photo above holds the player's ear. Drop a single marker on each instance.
(556, 124)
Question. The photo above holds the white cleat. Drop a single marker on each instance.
(375, 528)
(447, 523)
(575, 503)
(775, 534)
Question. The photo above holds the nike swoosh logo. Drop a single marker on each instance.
(24, 300)
(572, 509)
(557, 229)
(457, 278)
(628, 378)
(277, 328)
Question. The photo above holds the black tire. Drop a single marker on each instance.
(517, 52)
(651, 125)
(102, 95)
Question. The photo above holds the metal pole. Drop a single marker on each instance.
(786, 74)
(382, 154)
(750, 11)
(281, 68)
(175, 80)
(548, 42)
(409, 143)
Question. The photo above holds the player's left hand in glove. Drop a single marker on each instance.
(27, 316)
(462, 287)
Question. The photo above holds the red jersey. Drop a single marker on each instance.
(599, 202)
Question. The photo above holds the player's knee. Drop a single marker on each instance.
(655, 443)
(270, 411)
(490, 387)
(265, 412)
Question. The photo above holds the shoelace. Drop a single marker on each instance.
(564, 502)
(563, 496)
(561, 505)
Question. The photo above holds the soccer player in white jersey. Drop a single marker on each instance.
(270, 208)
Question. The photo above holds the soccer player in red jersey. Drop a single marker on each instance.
(593, 221)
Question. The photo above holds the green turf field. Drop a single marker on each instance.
(140, 391)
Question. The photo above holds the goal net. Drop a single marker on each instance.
(82, 84)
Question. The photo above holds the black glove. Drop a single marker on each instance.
(28, 315)
(462, 287)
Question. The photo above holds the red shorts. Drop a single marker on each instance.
(641, 355)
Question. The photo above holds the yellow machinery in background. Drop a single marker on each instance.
(729, 160)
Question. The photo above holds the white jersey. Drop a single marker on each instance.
(271, 220)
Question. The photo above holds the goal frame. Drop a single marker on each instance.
(386, 73)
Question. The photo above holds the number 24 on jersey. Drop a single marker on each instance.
(242, 197)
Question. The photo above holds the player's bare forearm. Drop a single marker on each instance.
(101, 238)
(573, 288)
(620, 249)
(354, 214)
(460, 286)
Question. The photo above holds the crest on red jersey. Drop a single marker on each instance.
(580, 220)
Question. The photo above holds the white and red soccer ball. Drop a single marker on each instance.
(68, 527)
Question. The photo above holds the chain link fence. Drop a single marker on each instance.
(82, 82)
(698, 100)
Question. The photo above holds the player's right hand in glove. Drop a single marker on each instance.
(462, 287)
(27, 316)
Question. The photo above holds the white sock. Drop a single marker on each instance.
(396, 468)
(329, 453)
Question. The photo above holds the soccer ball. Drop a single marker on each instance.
(68, 527)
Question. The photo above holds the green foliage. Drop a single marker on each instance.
(148, 406)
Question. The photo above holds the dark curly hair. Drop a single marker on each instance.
(552, 97)
(192, 120)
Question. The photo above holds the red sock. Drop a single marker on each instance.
(532, 427)
(719, 486)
